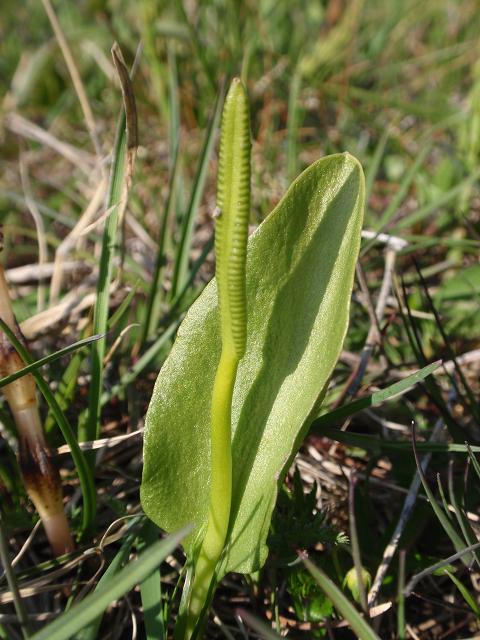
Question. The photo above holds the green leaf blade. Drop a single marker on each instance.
(300, 269)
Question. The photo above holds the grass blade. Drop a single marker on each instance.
(444, 520)
(441, 493)
(456, 430)
(125, 148)
(372, 443)
(66, 388)
(401, 597)
(176, 302)
(463, 522)
(89, 430)
(69, 623)
(84, 473)
(259, 626)
(141, 363)
(47, 359)
(292, 126)
(473, 460)
(344, 607)
(91, 632)
(152, 311)
(355, 545)
(394, 390)
(472, 402)
(446, 198)
(124, 305)
(399, 196)
(438, 565)
(465, 593)
(12, 583)
(374, 165)
(181, 263)
(151, 590)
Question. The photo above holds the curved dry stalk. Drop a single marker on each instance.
(39, 474)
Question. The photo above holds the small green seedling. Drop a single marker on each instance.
(251, 362)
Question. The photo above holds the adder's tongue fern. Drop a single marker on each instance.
(233, 200)
(39, 474)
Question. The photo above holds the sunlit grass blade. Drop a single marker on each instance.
(152, 310)
(378, 397)
(174, 105)
(373, 168)
(82, 614)
(124, 305)
(90, 429)
(151, 589)
(152, 313)
(66, 388)
(344, 607)
(176, 301)
(188, 221)
(121, 557)
(38, 364)
(125, 148)
(84, 474)
(359, 570)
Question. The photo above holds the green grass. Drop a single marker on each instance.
(395, 84)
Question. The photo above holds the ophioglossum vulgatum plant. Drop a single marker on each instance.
(40, 475)
(231, 234)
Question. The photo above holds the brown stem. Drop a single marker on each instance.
(39, 474)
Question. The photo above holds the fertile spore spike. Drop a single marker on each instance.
(231, 232)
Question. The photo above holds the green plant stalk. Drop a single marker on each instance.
(90, 430)
(221, 488)
(233, 200)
